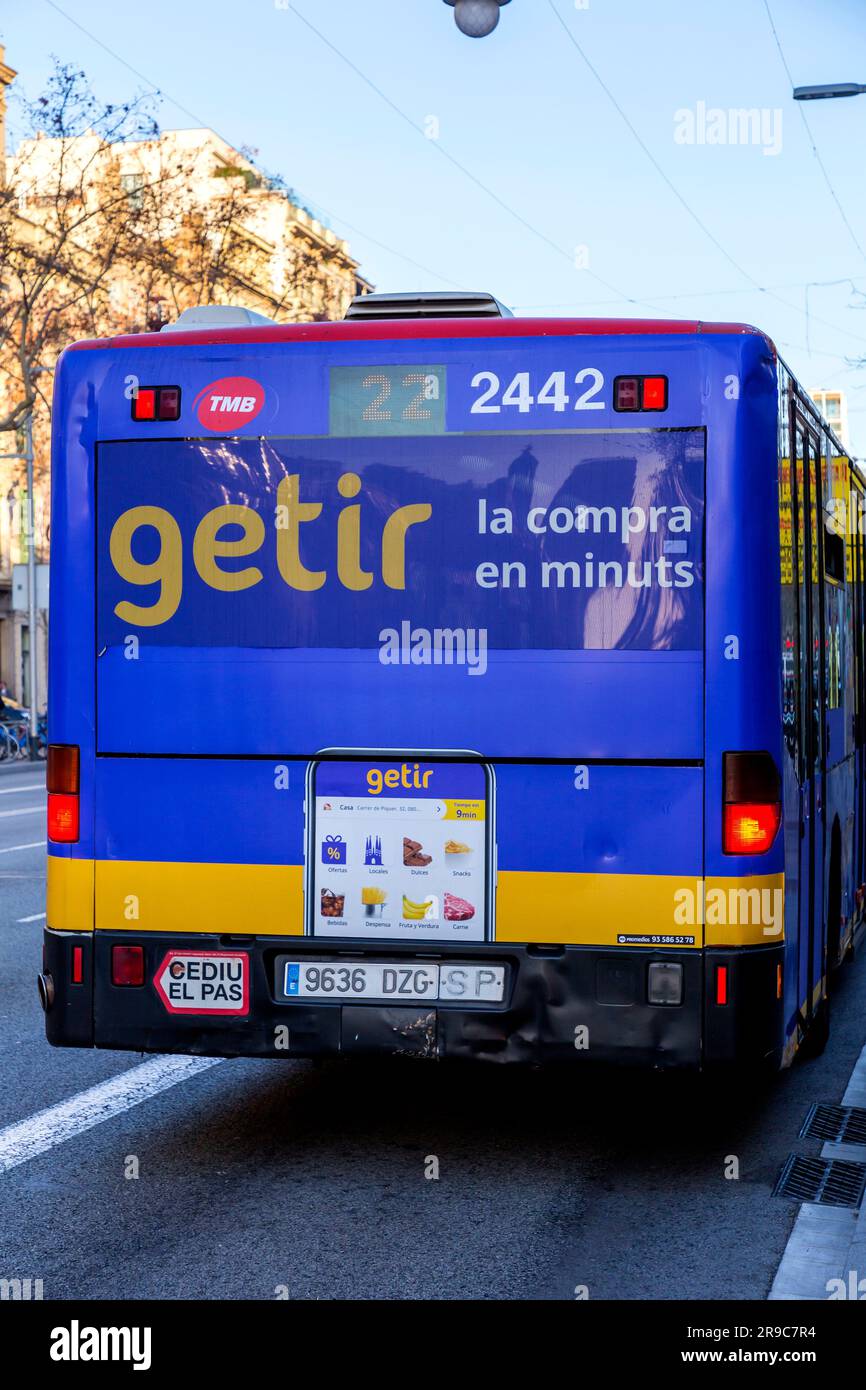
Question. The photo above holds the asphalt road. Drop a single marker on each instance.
(257, 1179)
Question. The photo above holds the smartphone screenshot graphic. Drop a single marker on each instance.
(399, 848)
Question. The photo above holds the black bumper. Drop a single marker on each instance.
(562, 1003)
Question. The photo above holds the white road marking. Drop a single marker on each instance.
(24, 811)
(48, 1128)
(27, 787)
(34, 844)
(37, 916)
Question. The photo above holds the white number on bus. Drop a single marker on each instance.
(519, 392)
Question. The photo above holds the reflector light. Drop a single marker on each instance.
(778, 981)
(654, 393)
(144, 404)
(750, 826)
(127, 965)
(62, 770)
(62, 818)
(721, 984)
(77, 964)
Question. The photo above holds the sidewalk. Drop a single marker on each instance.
(826, 1253)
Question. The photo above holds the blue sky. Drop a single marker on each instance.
(523, 114)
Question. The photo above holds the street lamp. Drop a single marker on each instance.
(476, 18)
(831, 89)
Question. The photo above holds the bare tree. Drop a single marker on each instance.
(64, 228)
(105, 228)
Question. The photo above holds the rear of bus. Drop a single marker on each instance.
(406, 678)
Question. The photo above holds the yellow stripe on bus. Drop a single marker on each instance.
(69, 894)
(592, 909)
(267, 900)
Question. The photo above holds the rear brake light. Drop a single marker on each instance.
(77, 964)
(63, 768)
(750, 828)
(721, 984)
(62, 818)
(127, 965)
(654, 393)
(62, 778)
(144, 404)
(752, 809)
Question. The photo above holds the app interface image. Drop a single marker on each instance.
(399, 850)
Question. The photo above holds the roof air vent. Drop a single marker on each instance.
(437, 304)
(215, 316)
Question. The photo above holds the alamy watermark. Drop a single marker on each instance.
(730, 907)
(732, 125)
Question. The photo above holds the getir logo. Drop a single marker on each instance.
(404, 776)
(229, 402)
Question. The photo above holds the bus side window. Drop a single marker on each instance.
(789, 567)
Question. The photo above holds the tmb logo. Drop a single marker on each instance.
(229, 402)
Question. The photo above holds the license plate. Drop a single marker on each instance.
(378, 981)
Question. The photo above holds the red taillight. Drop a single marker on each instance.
(62, 779)
(752, 802)
(144, 403)
(654, 393)
(721, 984)
(750, 826)
(62, 818)
(127, 965)
(77, 964)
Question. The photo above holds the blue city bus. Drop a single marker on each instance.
(446, 683)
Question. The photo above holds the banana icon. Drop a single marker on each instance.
(415, 912)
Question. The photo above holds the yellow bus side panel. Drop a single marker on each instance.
(267, 899)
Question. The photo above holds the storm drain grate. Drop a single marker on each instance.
(831, 1182)
(838, 1124)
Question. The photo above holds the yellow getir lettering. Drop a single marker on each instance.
(166, 570)
(206, 547)
(394, 541)
(296, 512)
(349, 538)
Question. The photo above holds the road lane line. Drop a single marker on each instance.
(23, 811)
(34, 844)
(37, 916)
(27, 787)
(48, 1128)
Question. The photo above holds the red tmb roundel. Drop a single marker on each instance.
(231, 402)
